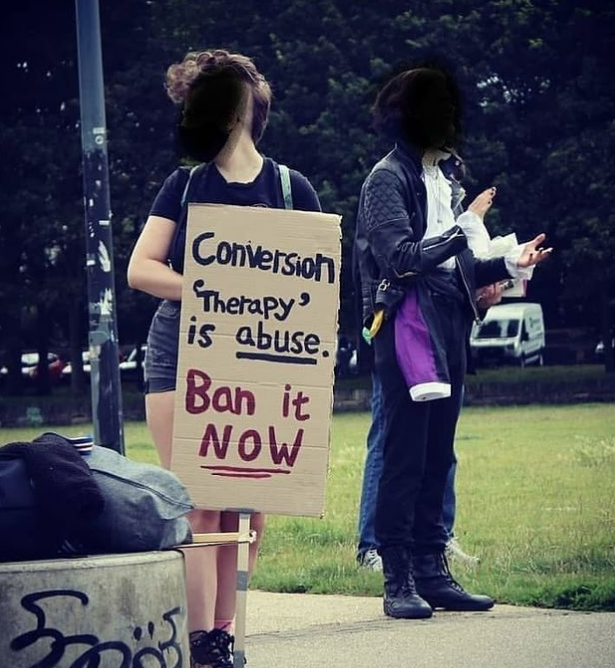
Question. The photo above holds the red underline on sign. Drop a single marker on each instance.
(267, 357)
(242, 475)
(238, 471)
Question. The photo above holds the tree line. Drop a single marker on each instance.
(538, 124)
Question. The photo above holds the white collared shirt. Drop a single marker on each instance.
(440, 216)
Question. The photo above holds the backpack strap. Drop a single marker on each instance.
(183, 216)
(286, 189)
(188, 182)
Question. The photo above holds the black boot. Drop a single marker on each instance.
(437, 586)
(400, 597)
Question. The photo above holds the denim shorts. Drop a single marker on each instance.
(162, 348)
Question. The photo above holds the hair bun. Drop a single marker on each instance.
(181, 78)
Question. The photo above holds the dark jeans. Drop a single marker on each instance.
(371, 476)
(419, 437)
(371, 472)
(449, 504)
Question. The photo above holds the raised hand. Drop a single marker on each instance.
(483, 202)
(490, 295)
(531, 254)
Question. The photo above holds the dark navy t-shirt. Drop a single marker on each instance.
(209, 186)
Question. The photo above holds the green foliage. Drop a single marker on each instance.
(538, 92)
(595, 452)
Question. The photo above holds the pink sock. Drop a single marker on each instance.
(224, 625)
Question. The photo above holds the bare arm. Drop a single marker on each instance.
(148, 270)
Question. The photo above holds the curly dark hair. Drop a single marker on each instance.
(396, 109)
(200, 67)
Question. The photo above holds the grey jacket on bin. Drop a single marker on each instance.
(145, 506)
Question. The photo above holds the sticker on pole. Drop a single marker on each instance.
(257, 353)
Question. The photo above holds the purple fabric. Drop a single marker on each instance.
(413, 346)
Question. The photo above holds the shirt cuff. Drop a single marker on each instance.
(511, 259)
(468, 219)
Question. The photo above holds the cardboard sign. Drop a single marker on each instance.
(257, 352)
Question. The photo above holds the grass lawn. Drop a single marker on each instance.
(536, 501)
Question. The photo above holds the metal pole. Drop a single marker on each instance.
(104, 351)
(243, 560)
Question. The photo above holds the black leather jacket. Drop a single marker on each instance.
(389, 247)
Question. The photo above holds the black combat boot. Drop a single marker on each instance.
(437, 586)
(400, 597)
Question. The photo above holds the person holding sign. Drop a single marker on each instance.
(419, 279)
(224, 103)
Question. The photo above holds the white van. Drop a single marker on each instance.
(510, 334)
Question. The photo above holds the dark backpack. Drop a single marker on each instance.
(105, 502)
(19, 516)
(46, 491)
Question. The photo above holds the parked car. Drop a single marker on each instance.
(599, 349)
(68, 369)
(29, 367)
(346, 358)
(510, 334)
(87, 367)
(128, 368)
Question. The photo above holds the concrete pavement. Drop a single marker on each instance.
(310, 631)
